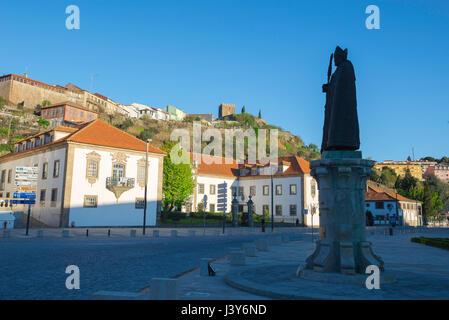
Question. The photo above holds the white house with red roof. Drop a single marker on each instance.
(387, 207)
(294, 191)
(91, 175)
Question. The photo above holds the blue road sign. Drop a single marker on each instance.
(24, 195)
(23, 201)
(222, 197)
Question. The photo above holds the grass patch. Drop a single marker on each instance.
(442, 243)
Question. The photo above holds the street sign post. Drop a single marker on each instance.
(26, 180)
(222, 201)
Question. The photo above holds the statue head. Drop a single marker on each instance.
(340, 55)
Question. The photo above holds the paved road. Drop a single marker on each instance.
(33, 268)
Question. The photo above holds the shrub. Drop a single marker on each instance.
(442, 243)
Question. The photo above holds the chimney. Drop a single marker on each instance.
(25, 75)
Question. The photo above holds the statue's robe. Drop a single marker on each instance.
(341, 124)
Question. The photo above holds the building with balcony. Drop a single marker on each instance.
(90, 175)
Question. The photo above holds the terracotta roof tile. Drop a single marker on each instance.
(100, 133)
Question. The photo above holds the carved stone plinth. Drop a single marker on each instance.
(341, 177)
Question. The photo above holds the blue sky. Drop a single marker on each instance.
(268, 55)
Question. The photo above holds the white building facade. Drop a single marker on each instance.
(93, 175)
(291, 189)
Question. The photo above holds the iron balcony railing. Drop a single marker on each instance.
(119, 182)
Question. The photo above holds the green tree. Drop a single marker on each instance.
(178, 181)
(125, 125)
(260, 114)
(45, 103)
(388, 177)
(375, 175)
(43, 123)
(147, 133)
(243, 109)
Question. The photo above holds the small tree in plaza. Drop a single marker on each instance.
(178, 181)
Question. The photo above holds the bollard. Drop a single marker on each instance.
(87, 232)
(250, 249)
(133, 233)
(155, 233)
(204, 266)
(285, 238)
(261, 244)
(236, 258)
(40, 233)
(163, 289)
(174, 233)
(6, 233)
(109, 232)
(192, 233)
(65, 233)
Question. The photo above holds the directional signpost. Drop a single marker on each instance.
(222, 201)
(26, 183)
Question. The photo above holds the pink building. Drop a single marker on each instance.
(441, 171)
(67, 114)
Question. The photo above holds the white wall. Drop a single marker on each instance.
(110, 211)
(46, 213)
(212, 199)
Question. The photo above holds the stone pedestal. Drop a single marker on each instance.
(341, 177)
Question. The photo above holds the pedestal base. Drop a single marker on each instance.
(343, 257)
(341, 177)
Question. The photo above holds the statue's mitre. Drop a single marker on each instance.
(340, 52)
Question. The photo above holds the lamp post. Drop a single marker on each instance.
(146, 186)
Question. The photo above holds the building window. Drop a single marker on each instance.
(293, 189)
(56, 169)
(279, 189)
(252, 191)
(313, 189)
(7, 194)
(2, 180)
(45, 170)
(92, 169)
(278, 210)
(201, 188)
(9, 175)
(265, 209)
(42, 197)
(379, 205)
(212, 207)
(118, 171)
(266, 190)
(212, 190)
(91, 201)
(54, 197)
(141, 173)
(241, 191)
(293, 209)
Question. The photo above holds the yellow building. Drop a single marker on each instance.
(400, 167)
